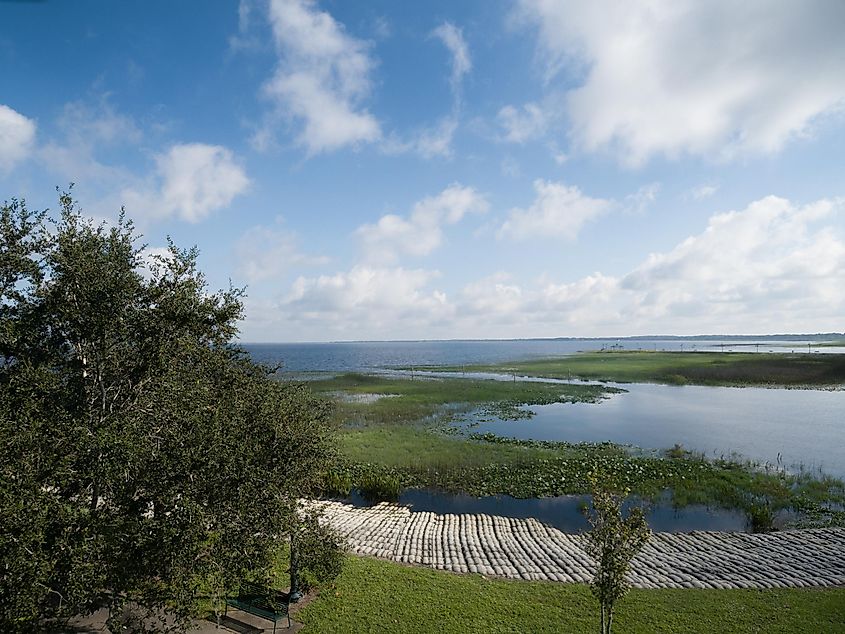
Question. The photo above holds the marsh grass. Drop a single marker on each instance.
(379, 486)
(484, 464)
(407, 441)
(682, 368)
(419, 448)
(431, 399)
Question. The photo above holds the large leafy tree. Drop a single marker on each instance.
(143, 458)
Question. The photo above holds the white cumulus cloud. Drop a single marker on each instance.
(364, 302)
(495, 297)
(716, 78)
(558, 210)
(320, 81)
(641, 199)
(437, 140)
(705, 190)
(523, 124)
(267, 252)
(768, 266)
(773, 266)
(191, 181)
(421, 231)
(17, 137)
(88, 128)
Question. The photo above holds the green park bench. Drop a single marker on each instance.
(260, 601)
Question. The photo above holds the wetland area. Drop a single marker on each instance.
(704, 439)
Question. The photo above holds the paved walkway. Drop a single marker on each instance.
(236, 621)
(528, 549)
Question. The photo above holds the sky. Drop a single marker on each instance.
(381, 170)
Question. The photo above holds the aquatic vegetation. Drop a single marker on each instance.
(761, 517)
(505, 411)
(682, 368)
(336, 483)
(413, 441)
(562, 469)
(677, 451)
(437, 400)
(379, 486)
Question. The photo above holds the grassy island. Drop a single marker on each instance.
(698, 368)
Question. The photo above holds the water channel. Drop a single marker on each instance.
(566, 512)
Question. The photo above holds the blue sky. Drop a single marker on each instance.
(398, 170)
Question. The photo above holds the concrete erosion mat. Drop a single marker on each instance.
(528, 549)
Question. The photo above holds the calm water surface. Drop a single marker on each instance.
(806, 427)
(368, 356)
(564, 512)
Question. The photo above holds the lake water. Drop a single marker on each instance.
(806, 427)
(368, 356)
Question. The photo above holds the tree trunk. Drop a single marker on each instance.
(95, 496)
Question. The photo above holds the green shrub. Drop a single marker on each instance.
(320, 552)
(677, 452)
(379, 487)
(336, 483)
(761, 517)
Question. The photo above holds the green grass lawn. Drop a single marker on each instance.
(379, 596)
(703, 368)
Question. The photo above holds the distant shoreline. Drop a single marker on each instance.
(799, 370)
(827, 337)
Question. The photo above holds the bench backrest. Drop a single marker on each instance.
(262, 597)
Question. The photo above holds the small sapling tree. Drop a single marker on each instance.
(613, 542)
